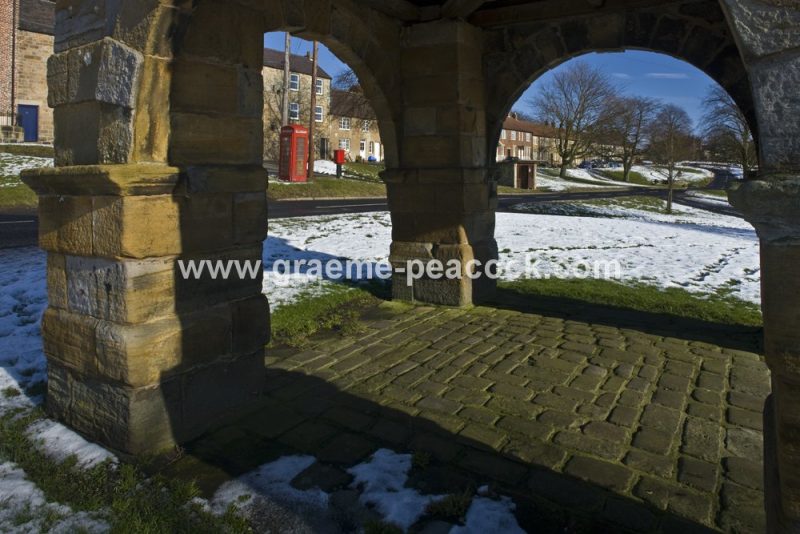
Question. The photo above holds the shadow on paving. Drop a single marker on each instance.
(302, 414)
(342, 398)
(738, 337)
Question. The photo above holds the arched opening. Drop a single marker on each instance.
(591, 220)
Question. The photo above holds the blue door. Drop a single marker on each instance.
(29, 120)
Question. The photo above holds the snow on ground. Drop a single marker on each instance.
(12, 164)
(382, 480)
(684, 174)
(322, 166)
(266, 495)
(24, 508)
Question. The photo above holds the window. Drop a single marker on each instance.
(320, 87)
(344, 124)
(514, 136)
(362, 146)
(294, 111)
(344, 144)
(528, 137)
(365, 126)
(371, 147)
(318, 114)
(503, 134)
(294, 82)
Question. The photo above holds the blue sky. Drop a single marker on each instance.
(638, 73)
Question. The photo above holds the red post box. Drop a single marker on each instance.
(339, 157)
(293, 162)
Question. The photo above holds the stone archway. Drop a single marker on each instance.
(149, 172)
(693, 31)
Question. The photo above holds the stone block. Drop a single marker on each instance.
(65, 224)
(137, 227)
(249, 217)
(213, 139)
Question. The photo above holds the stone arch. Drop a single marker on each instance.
(694, 31)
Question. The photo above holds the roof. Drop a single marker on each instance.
(37, 16)
(351, 104)
(535, 128)
(297, 64)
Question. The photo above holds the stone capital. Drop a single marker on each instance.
(772, 205)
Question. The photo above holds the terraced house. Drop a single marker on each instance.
(26, 41)
(528, 141)
(344, 119)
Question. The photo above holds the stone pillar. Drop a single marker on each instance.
(158, 160)
(769, 42)
(440, 196)
(140, 358)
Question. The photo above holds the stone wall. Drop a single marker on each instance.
(6, 43)
(33, 50)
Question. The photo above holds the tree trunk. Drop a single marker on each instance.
(626, 170)
(564, 167)
(670, 188)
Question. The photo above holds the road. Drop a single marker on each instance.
(21, 230)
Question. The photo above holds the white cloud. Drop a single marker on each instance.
(668, 75)
(622, 75)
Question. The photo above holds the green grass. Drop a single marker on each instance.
(123, 495)
(364, 171)
(715, 192)
(326, 188)
(619, 176)
(37, 151)
(337, 309)
(720, 308)
(15, 194)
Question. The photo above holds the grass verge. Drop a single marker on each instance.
(326, 188)
(364, 171)
(337, 309)
(619, 176)
(36, 151)
(121, 494)
(14, 194)
(714, 308)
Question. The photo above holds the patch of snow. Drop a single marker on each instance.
(488, 515)
(59, 443)
(24, 508)
(322, 166)
(270, 481)
(382, 480)
(13, 165)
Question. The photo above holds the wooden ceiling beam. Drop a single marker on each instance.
(461, 9)
(399, 9)
(552, 9)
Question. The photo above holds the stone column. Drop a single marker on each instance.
(766, 31)
(441, 199)
(158, 160)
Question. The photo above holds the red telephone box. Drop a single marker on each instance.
(293, 163)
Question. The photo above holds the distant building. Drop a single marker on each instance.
(343, 119)
(26, 41)
(528, 141)
(300, 80)
(353, 126)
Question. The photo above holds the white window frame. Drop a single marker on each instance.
(344, 123)
(528, 137)
(344, 144)
(319, 114)
(362, 145)
(366, 125)
(502, 134)
(513, 135)
(294, 111)
(320, 87)
(294, 82)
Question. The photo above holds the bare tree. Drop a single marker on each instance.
(671, 141)
(625, 128)
(574, 101)
(726, 126)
